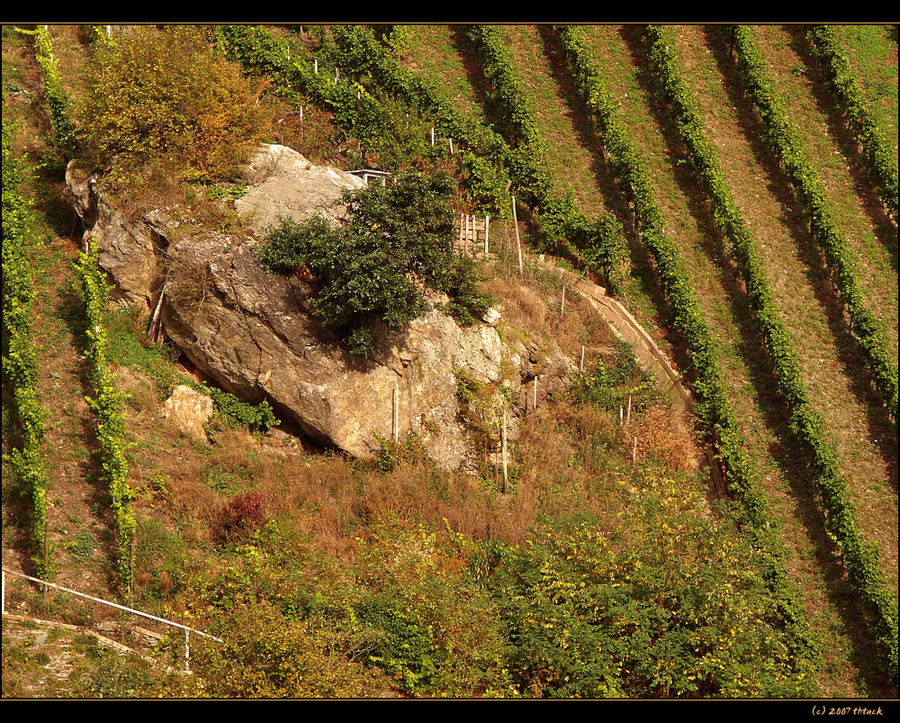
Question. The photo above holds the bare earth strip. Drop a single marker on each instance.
(873, 55)
(434, 52)
(832, 371)
(723, 300)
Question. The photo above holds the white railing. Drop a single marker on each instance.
(187, 630)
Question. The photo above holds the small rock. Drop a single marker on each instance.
(190, 411)
(491, 316)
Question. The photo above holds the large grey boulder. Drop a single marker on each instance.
(253, 333)
(282, 183)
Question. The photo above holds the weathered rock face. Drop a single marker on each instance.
(282, 183)
(253, 333)
(128, 251)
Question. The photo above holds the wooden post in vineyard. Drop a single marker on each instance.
(466, 237)
(487, 224)
(581, 364)
(516, 227)
(503, 454)
(395, 415)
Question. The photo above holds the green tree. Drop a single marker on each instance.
(375, 269)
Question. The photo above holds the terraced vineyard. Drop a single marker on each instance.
(835, 374)
(725, 198)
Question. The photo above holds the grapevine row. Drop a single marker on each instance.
(107, 405)
(861, 559)
(20, 367)
(558, 216)
(783, 139)
(713, 409)
(880, 161)
(63, 138)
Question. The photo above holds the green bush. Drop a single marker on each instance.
(159, 92)
(664, 604)
(374, 270)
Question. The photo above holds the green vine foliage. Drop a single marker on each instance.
(879, 159)
(107, 406)
(713, 409)
(782, 138)
(633, 179)
(602, 242)
(804, 422)
(20, 368)
(63, 136)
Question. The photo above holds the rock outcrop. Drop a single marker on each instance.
(281, 183)
(253, 332)
(189, 410)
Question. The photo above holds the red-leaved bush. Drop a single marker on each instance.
(240, 516)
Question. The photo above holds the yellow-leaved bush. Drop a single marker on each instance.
(166, 92)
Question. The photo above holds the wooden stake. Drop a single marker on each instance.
(432, 135)
(620, 415)
(451, 146)
(503, 454)
(395, 418)
(152, 331)
(634, 451)
(301, 115)
(487, 225)
(466, 238)
(581, 364)
(534, 396)
(516, 226)
(562, 307)
(628, 415)
(316, 65)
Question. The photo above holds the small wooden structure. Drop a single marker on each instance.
(367, 173)
(473, 235)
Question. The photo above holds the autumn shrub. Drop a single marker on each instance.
(165, 92)
(240, 516)
(668, 603)
(265, 655)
